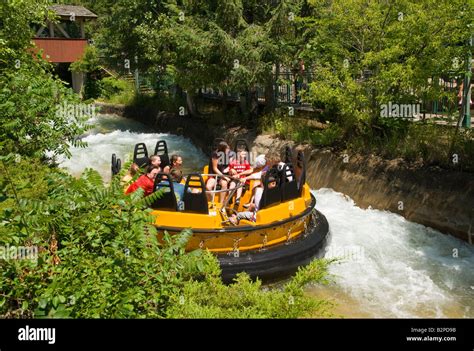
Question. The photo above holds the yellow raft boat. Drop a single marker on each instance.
(288, 231)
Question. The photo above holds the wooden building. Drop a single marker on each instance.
(64, 42)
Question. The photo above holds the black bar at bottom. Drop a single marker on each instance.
(382, 334)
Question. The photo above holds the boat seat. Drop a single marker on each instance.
(288, 155)
(167, 201)
(161, 149)
(270, 196)
(301, 164)
(195, 202)
(140, 155)
(116, 165)
(289, 185)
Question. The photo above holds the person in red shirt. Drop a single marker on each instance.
(239, 169)
(145, 181)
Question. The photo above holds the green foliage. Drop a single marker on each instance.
(24, 173)
(100, 257)
(247, 299)
(109, 89)
(143, 106)
(15, 32)
(91, 88)
(31, 119)
(326, 137)
(428, 143)
(89, 61)
(229, 45)
(89, 64)
(302, 130)
(368, 53)
(116, 90)
(35, 113)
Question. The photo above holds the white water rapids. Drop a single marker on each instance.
(114, 134)
(389, 267)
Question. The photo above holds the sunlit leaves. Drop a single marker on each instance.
(392, 50)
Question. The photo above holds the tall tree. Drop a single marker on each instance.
(229, 45)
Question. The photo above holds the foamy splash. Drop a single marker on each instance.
(396, 268)
(114, 134)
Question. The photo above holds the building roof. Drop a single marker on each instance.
(68, 10)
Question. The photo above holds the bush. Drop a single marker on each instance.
(416, 141)
(247, 299)
(38, 113)
(301, 130)
(389, 137)
(326, 137)
(116, 90)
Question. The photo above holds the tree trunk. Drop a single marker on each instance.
(224, 101)
(270, 94)
(243, 105)
(179, 91)
(456, 131)
(252, 104)
(191, 103)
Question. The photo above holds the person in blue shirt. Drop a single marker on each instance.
(176, 178)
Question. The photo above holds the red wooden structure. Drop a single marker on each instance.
(64, 42)
(61, 50)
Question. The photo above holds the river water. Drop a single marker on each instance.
(388, 266)
(391, 267)
(114, 134)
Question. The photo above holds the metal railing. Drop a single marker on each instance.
(215, 191)
(231, 192)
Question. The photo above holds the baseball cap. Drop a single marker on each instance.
(260, 161)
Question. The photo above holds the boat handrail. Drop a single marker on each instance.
(239, 185)
(226, 201)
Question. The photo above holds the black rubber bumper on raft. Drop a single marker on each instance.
(278, 261)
